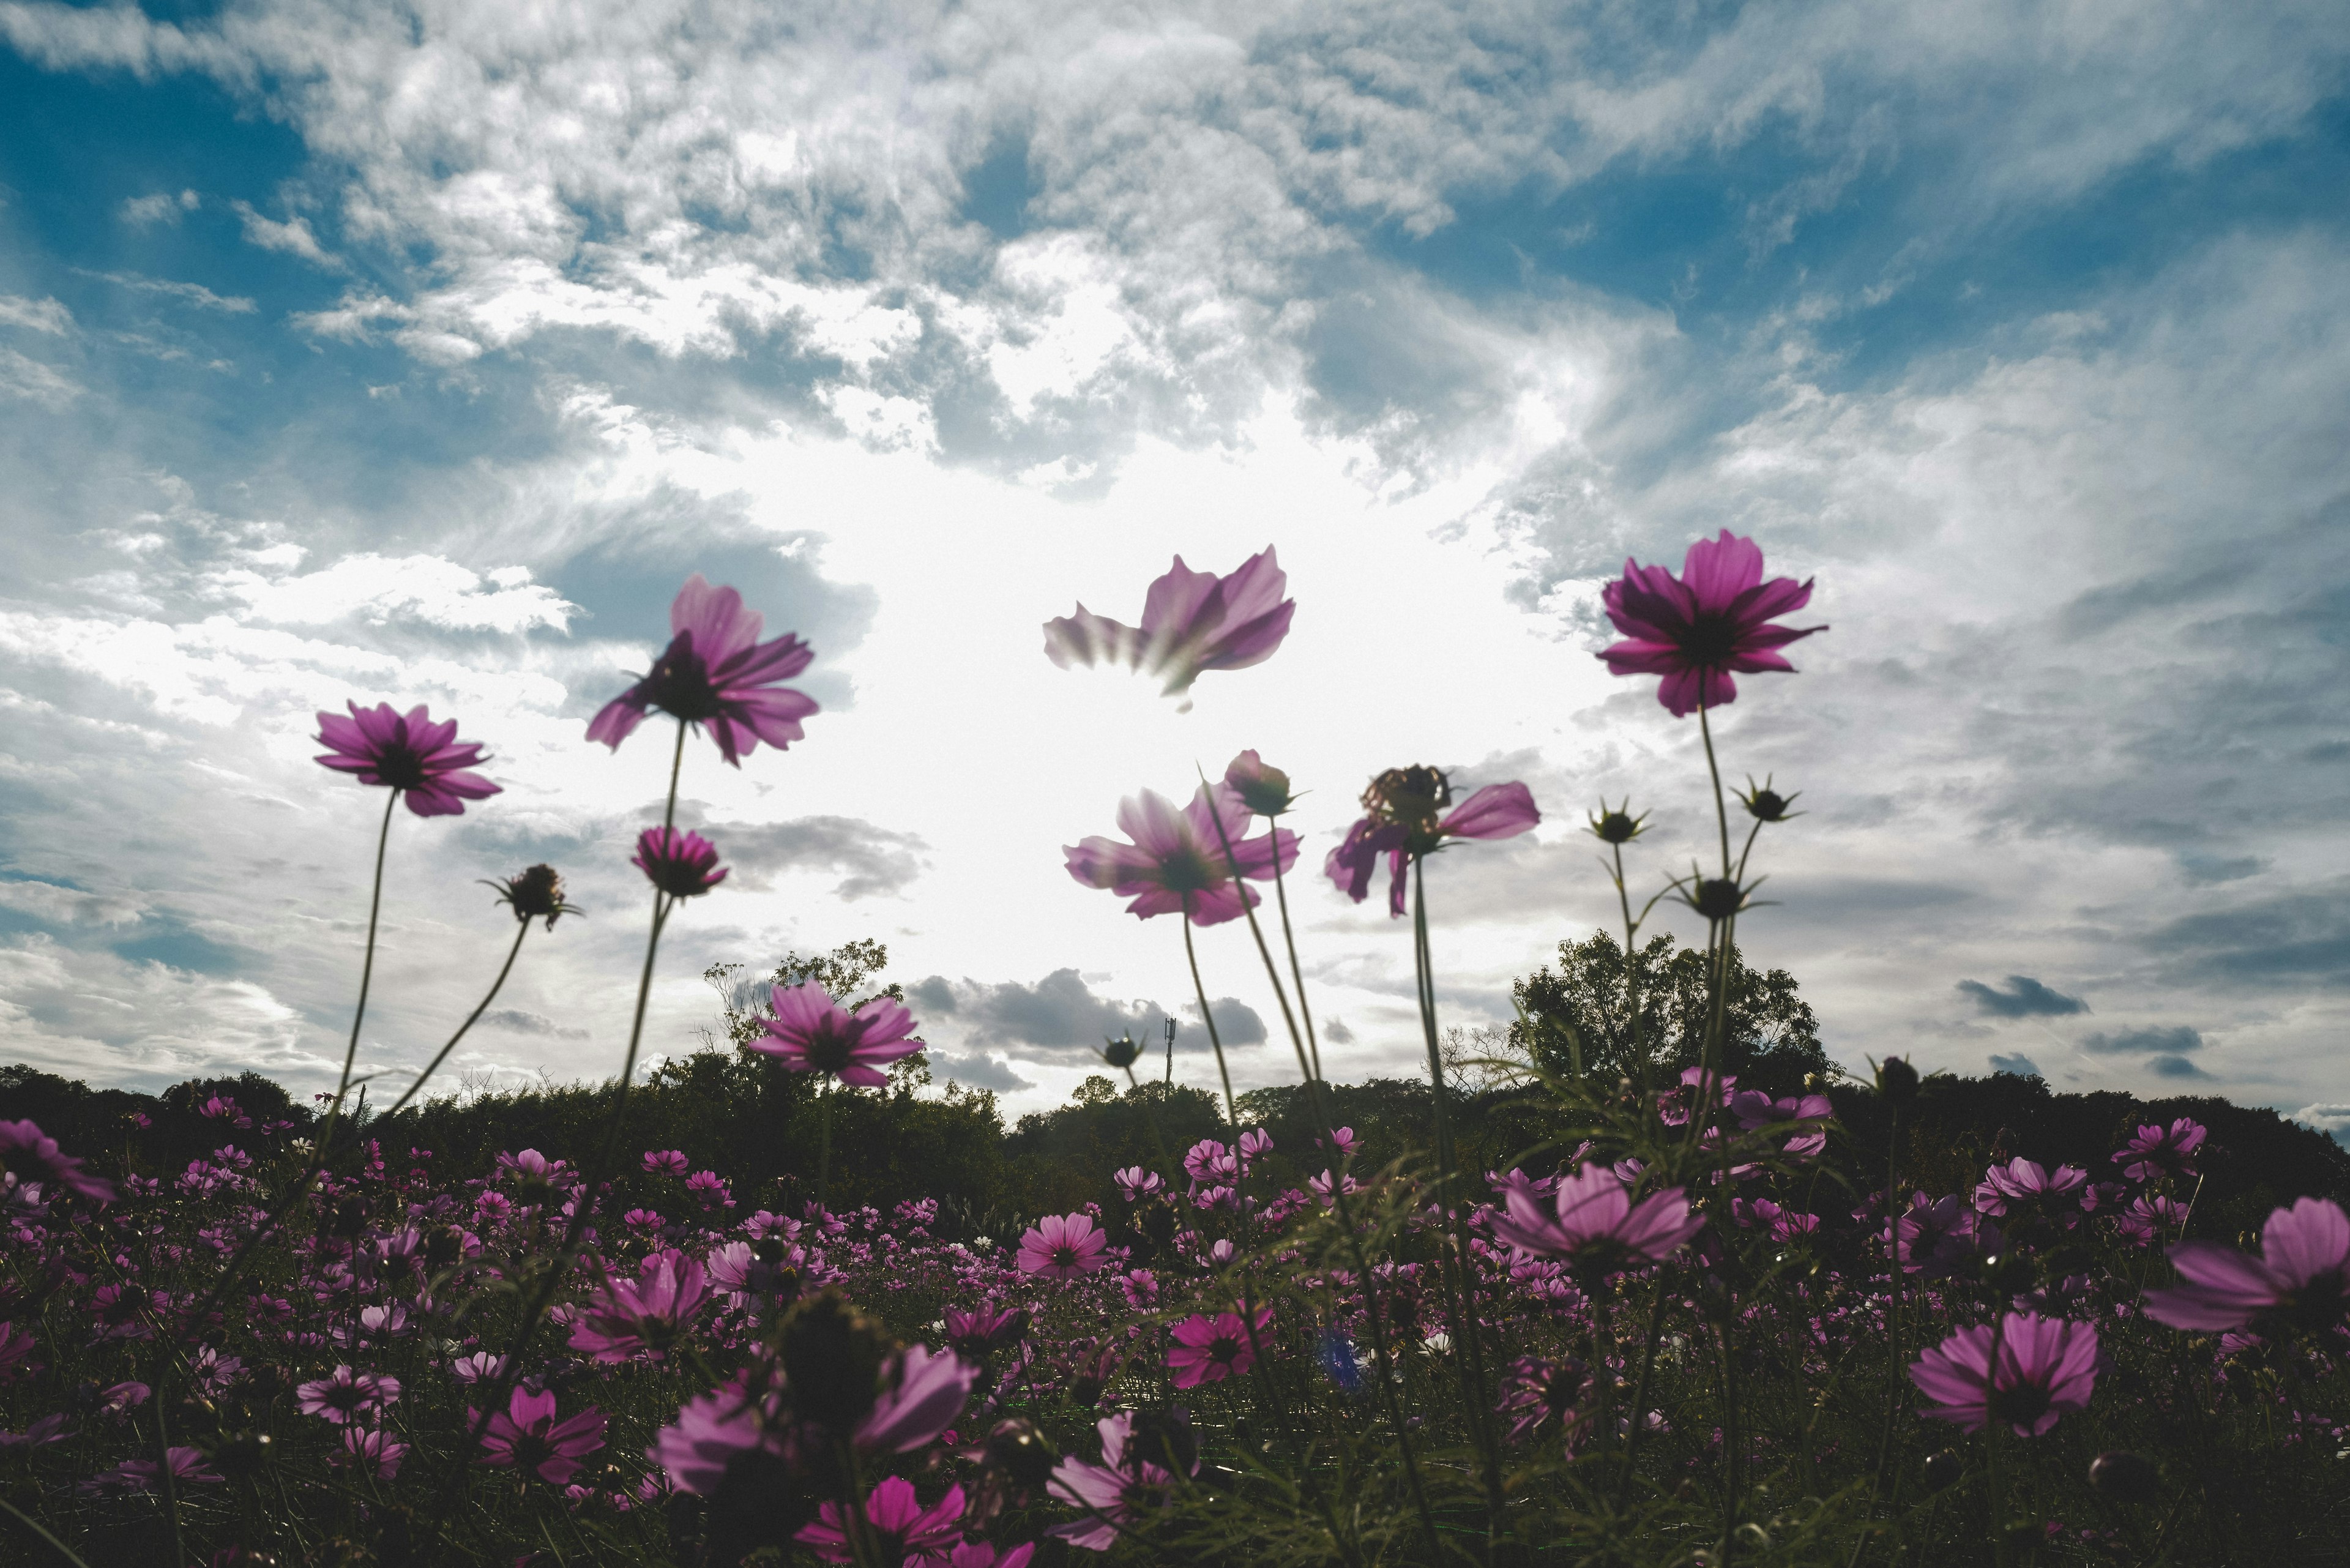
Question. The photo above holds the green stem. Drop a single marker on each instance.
(824, 1145)
(1232, 1107)
(522, 929)
(35, 1526)
(1720, 804)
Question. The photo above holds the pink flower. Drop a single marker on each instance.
(1595, 1224)
(1176, 862)
(1113, 1492)
(2025, 1182)
(49, 1429)
(811, 1032)
(708, 1434)
(1537, 1393)
(897, 1528)
(343, 1395)
(669, 1162)
(1192, 622)
(2162, 1151)
(525, 1436)
(982, 1554)
(405, 751)
(1210, 1349)
(1263, 788)
(644, 1316)
(375, 1451)
(1209, 1160)
(922, 1392)
(1063, 1247)
(1696, 629)
(2047, 1368)
(1401, 821)
(139, 1475)
(1755, 1109)
(1135, 1182)
(477, 1366)
(716, 674)
(1347, 1143)
(976, 1334)
(682, 865)
(2301, 1279)
(28, 1153)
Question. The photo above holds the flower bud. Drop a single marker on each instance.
(831, 1356)
(1717, 898)
(1121, 1051)
(1897, 1080)
(533, 894)
(1764, 804)
(2126, 1476)
(1263, 788)
(1943, 1470)
(1617, 825)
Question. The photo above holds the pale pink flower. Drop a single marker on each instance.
(718, 675)
(1695, 630)
(2047, 1368)
(2301, 1279)
(811, 1032)
(1192, 622)
(1064, 1247)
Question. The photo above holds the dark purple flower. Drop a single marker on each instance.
(139, 1475)
(1405, 816)
(644, 1316)
(1755, 1109)
(1696, 629)
(1536, 1394)
(343, 1395)
(1177, 862)
(2162, 1151)
(811, 1032)
(679, 864)
(1192, 622)
(716, 674)
(976, 1334)
(525, 1436)
(2047, 1368)
(405, 751)
(28, 1153)
(2301, 1279)
(1210, 1349)
(895, 1526)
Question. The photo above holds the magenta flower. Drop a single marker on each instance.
(1135, 1182)
(139, 1475)
(974, 1336)
(922, 1392)
(1696, 629)
(665, 1162)
(29, 1155)
(1176, 863)
(2300, 1281)
(811, 1032)
(343, 1395)
(710, 1432)
(1594, 1224)
(717, 674)
(1755, 1109)
(644, 1316)
(1064, 1247)
(1192, 622)
(405, 751)
(375, 1451)
(682, 865)
(1403, 821)
(983, 1554)
(2162, 1151)
(2026, 1183)
(1114, 1492)
(897, 1527)
(2047, 1368)
(1210, 1349)
(525, 1436)
(1536, 1394)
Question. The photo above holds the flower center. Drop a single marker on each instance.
(679, 682)
(828, 1050)
(1710, 640)
(398, 764)
(1223, 1347)
(2021, 1405)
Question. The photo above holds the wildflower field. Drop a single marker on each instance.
(1643, 1298)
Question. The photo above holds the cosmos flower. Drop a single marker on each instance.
(682, 865)
(644, 1316)
(666, 1162)
(1536, 1394)
(811, 1032)
(1594, 1223)
(1063, 1247)
(896, 1526)
(1135, 1182)
(1176, 863)
(717, 675)
(188, 1467)
(978, 1334)
(1697, 628)
(2047, 1368)
(28, 1153)
(1210, 1349)
(408, 752)
(922, 1392)
(343, 1395)
(1755, 1109)
(1404, 817)
(526, 1436)
(373, 1451)
(709, 1435)
(2022, 1182)
(2301, 1280)
(1263, 788)
(1192, 622)
(2160, 1151)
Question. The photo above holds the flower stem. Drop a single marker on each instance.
(1721, 805)
(1232, 1107)
(522, 929)
(824, 1145)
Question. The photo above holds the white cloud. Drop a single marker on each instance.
(71, 905)
(160, 207)
(33, 381)
(293, 237)
(427, 588)
(194, 293)
(39, 315)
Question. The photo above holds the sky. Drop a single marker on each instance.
(417, 354)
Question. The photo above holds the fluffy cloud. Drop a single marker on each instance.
(870, 861)
(2023, 997)
(2175, 1040)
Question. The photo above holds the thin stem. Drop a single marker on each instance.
(1632, 968)
(522, 929)
(367, 965)
(824, 1145)
(1231, 1107)
(35, 1526)
(676, 764)
(1721, 805)
(1289, 939)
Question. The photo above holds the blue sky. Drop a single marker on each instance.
(418, 355)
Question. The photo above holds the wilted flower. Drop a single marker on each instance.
(1210, 1349)
(533, 893)
(1192, 622)
(2047, 1368)
(526, 1436)
(682, 865)
(894, 1525)
(1405, 818)
(2301, 1279)
(1695, 630)
(811, 1032)
(28, 1153)
(1063, 1247)
(408, 752)
(1594, 1223)
(717, 674)
(1176, 861)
